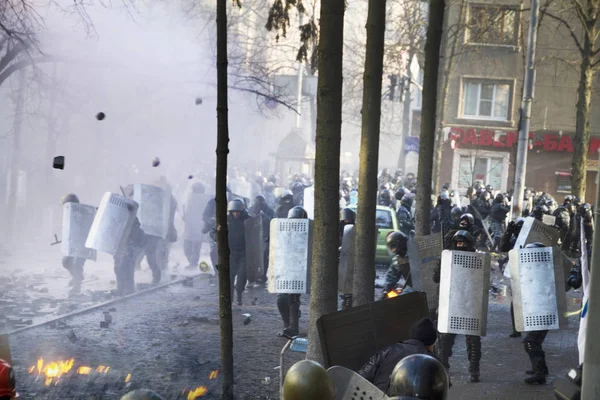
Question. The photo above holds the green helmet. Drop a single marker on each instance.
(142, 394)
(308, 380)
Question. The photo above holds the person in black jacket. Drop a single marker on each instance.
(286, 203)
(379, 368)
(498, 214)
(236, 216)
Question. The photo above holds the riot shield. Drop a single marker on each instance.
(290, 251)
(538, 288)
(346, 263)
(351, 386)
(464, 292)
(549, 219)
(112, 224)
(257, 235)
(194, 207)
(309, 201)
(154, 209)
(424, 253)
(535, 231)
(350, 337)
(76, 224)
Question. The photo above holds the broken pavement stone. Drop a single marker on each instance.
(112, 309)
(71, 336)
(188, 282)
(104, 324)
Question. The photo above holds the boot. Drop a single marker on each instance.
(514, 333)
(292, 329)
(538, 362)
(283, 305)
(474, 355)
(239, 298)
(444, 349)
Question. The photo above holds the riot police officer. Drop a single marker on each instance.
(403, 215)
(513, 229)
(397, 244)
(236, 216)
(191, 248)
(462, 241)
(289, 304)
(286, 203)
(498, 214)
(419, 376)
(534, 339)
(209, 216)
(73, 264)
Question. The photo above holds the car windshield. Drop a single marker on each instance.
(384, 219)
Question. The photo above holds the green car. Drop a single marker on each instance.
(386, 222)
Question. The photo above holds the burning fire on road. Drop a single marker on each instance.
(52, 371)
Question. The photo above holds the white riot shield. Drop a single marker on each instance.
(76, 224)
(112, 224)
(257, 235)
(549, 219)
(538, 288)
(535, 231)
(194, 207)
(290, 245)
(424, 253)
(154, 209)
(309, 201)
(464, 292)
(351, 386)
(346, 264)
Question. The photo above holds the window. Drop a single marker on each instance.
(383, 219)
(563, 182)
(492, 25)
(486, 100)
(487, 170)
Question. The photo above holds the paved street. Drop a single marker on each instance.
(168, 341)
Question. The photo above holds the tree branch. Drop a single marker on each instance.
(266, 96)
(566, 24)
(23, 64)
(11, 55)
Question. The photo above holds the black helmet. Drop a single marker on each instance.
(397, 243)
(539, 211)
(419, 376)
(518, 225)
(197, 187)
(70, 198)
(499, 198)
(568, 199)
(535, 245)
(489, 188)
(463, 240)
(407, 201)
(485, 195)
(385, 195)
(400, 193)
(456, 213)
(287, 196)
(298, 213)
(260, 200)
(297, 187)
(236, 205)
(586, 212)
(467, 221)
(348, 216)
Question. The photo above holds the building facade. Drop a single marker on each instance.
(486, 43)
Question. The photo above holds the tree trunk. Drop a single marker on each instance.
(428, 115)
(364, 270)
(221, 200)
(324, 271)
(406, 114)
(15, 165)
(581, 139)
(449, 62)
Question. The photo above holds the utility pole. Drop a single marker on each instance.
(525, 119)
(590, 388)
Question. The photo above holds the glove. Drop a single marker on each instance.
(575, 279)
(510, 228)
(437, 271)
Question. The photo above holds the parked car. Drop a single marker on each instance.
(386, 222)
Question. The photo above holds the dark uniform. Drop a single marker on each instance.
(498, 214)
(236, 217)
(513, 229)
(403, 215)
(286, 203)
(462, 241)
(157, 248)
(209, 216)
(397, 244)
(260, 205)
(289, 304)
(533, 340)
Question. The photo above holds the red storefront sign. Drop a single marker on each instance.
(544, 141)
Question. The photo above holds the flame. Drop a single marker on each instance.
(52, 371)
(102, 369)
(127, 378)
(84, 370)
(213, 374)
(199, 391)
(394, 293)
